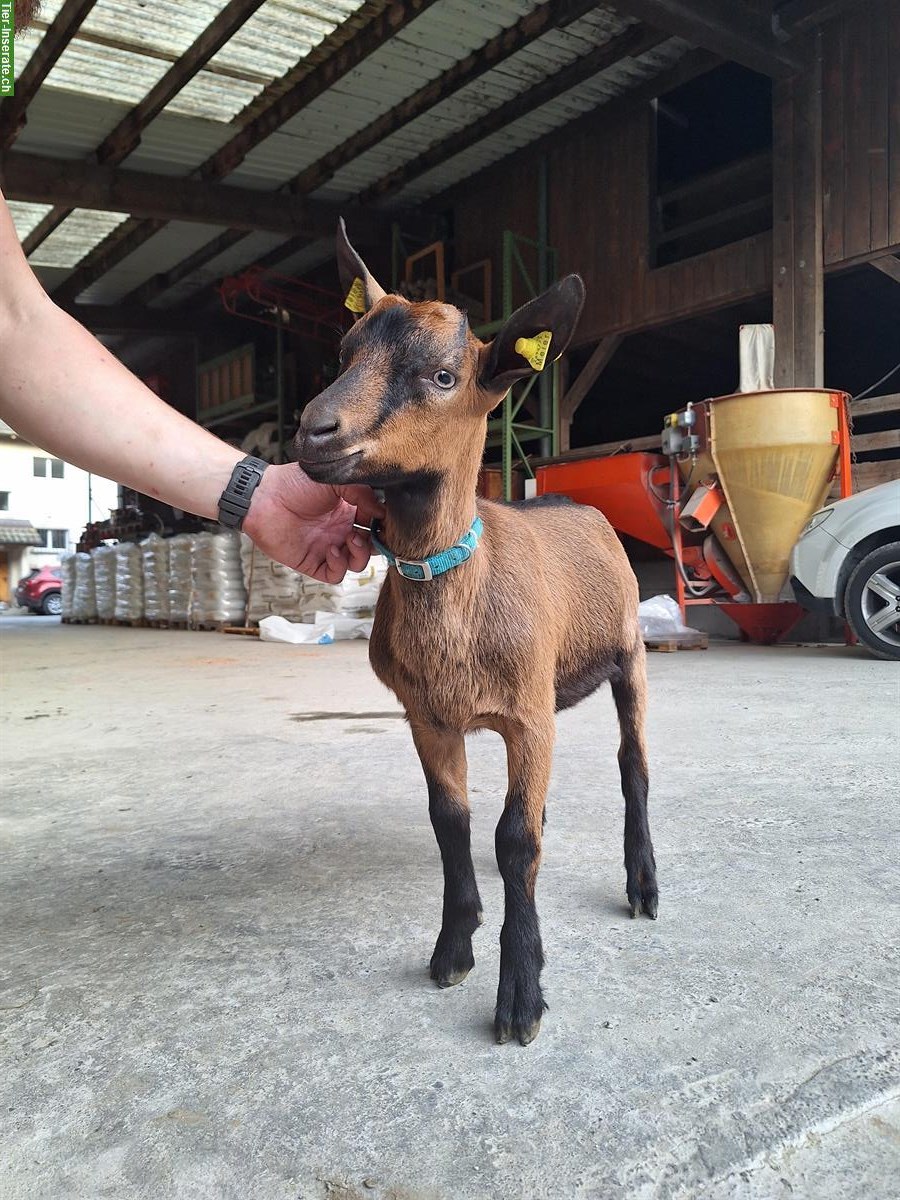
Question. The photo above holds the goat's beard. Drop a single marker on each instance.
(26, 11)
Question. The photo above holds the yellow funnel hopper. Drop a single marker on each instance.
(775, 455)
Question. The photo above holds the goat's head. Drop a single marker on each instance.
(415, 383)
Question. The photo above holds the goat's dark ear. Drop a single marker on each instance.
(360, 288)
(523, 346)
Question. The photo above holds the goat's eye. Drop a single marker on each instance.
(444, 379)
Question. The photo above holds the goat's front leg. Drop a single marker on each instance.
(520, 1002)
(443, 756)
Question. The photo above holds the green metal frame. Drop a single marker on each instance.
(514, 434)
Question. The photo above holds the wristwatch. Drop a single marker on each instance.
(234, 503)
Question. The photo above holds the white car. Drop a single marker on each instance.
(847, 562)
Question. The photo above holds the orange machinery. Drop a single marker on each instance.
(740, 477)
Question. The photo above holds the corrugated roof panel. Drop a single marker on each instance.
(556, 113)
(169, 246)
(27, 42)
(421, 52)
(510, 79)
(67, 124)
(80, 232)
(27, 217)
(282, 32)
(173, 145)
(122, 49)
(229, 262)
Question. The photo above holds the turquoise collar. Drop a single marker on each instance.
(423, 569)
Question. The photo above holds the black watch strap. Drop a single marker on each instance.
(234, 503)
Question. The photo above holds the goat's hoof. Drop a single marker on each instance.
(524, 1034)
(451, 963)
(451, 978)
(647, 903)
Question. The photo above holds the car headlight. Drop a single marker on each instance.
(816, 520)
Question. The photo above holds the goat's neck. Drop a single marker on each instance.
(427, 515)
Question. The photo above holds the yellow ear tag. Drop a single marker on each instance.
(356, 297)
(534, 350)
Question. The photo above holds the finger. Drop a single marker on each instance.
(368, 507)
(359, 550)
(335, 564)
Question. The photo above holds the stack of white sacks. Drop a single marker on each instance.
(67, 573)
(217, 584)
(180, 578)
(271, 587)
(155, 555)
(104, 559)
(84, 600)
(294, 608)
(129, 582)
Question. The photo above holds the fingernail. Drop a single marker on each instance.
(333, 552)
(358, 540)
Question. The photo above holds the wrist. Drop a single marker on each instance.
(234, 502)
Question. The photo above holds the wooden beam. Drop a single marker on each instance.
(312, 83)
(344, 49)
(121, 318)
(41, 63)
(889, 265)
(887, 439)
(799, 16)
(730, 28)
(164, 197)
(587, 377)
(634, 41)
(141, 296)
(509, 41)
(797, 233)
(126, 136)
(875, 404)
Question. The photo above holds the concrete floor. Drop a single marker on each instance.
(217, 915)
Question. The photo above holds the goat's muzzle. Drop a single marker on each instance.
(324, 449)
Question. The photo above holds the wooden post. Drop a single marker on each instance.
(797, 236)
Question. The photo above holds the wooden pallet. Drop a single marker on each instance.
(242, 630)
(695, 640)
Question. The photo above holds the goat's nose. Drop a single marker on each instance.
(325, 427)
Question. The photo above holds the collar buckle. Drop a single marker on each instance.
(417, 565)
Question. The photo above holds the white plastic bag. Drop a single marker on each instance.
(68, 565)
(346, 629)
(660, 617)
(277, 629)
(155, 555)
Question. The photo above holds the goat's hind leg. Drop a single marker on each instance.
(630, 693)
(443, 756)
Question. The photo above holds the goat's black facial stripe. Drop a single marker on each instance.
(413, 351)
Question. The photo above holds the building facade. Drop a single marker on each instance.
(52, 497)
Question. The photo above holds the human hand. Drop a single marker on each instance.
(309, 526)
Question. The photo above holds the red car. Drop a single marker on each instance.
(41, 591)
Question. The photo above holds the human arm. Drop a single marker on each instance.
(64, 391)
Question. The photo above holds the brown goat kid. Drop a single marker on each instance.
(540, 615)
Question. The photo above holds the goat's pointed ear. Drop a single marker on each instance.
(534, 336)
(360, 288)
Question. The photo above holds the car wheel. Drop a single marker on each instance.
(51, 605)
(872, 601)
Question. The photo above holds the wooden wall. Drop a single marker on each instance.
(599, 170)
(599, 223)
